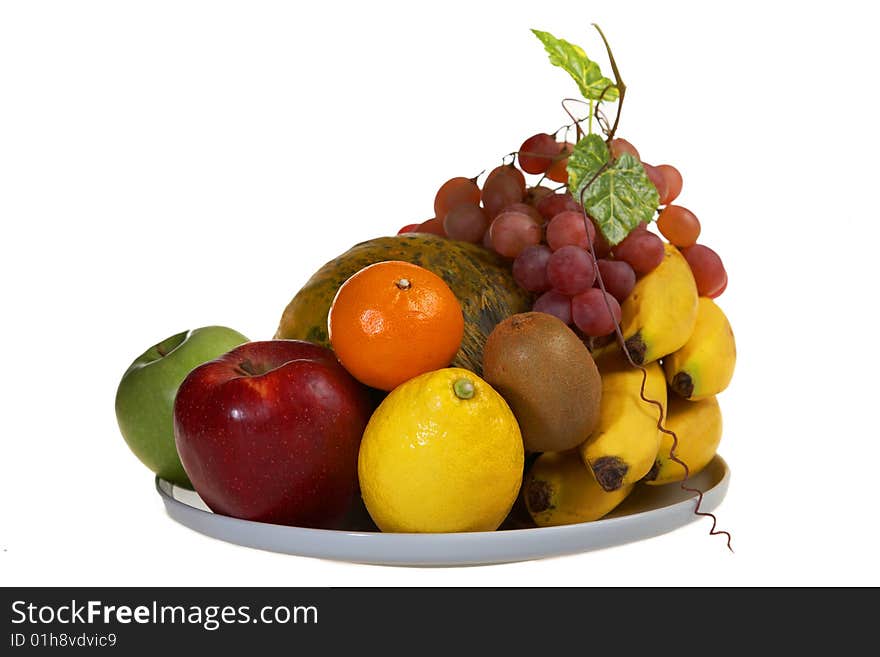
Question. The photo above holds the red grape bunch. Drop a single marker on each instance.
(557, 255)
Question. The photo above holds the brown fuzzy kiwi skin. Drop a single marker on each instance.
(548, 378)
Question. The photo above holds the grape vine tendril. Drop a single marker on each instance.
(620, 341)
(619, 335)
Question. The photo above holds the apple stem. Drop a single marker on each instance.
(246, 368)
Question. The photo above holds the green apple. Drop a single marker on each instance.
(145, 397)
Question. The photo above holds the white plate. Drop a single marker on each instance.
(648, 511)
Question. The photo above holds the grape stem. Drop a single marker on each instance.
(569, 126)
(618, 82)
(575, 122)
(602, 120)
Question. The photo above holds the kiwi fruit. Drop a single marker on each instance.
(548, 378)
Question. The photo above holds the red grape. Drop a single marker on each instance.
(507, 171)
(537, 153)
(673, 181)
(466, 222)
(530, 268)
(657, 178)
(525, 208)
(589, 311)
(679, 225)
(620, 146)
(554, 303)
(569, 228)
(570, 270)
(487, 240)
(535, 194)
(455, 191)
(511, 232)
(434, 226)
(553, 204)
(641, 249)
(409, 228)
(502, 188)
(618, 277)
(720, 290)
(707, 268)
(558, 170)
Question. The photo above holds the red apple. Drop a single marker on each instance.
(270, 432)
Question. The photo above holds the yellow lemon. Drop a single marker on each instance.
(442, 453)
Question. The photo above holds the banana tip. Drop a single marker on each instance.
(683, 384)
(538, 496)
(610, 471)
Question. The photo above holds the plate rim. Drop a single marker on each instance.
(677, 514)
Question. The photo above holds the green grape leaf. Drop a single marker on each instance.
(617, 194)
(573, 60)
(588, 156)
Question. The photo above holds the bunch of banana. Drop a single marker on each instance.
(664, 320)
(680, 339)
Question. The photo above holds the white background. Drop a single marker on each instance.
(168, 165)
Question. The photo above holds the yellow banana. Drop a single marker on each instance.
(623, 447)
(658, 316)
(560, 490)
(704, 365)
(698, 428)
